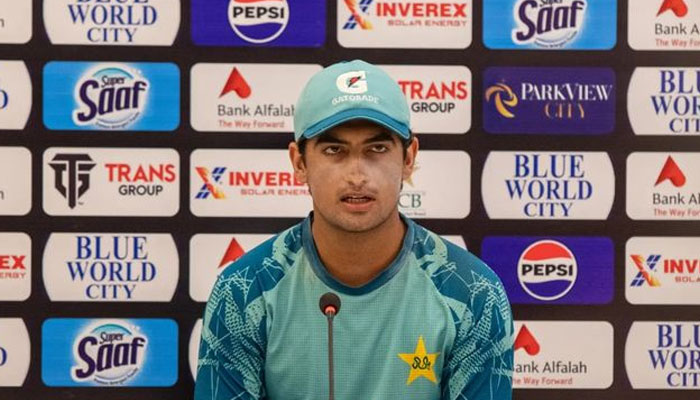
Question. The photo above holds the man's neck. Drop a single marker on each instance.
(354, 259)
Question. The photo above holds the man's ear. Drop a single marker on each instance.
(297, 162)
(409, 161)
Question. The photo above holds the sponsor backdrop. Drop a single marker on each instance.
(143, 150)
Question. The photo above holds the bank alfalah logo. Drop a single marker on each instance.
(72, 175)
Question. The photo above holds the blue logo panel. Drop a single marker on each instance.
(550, 25)
(109, 352)
(287, 23)
(568, 101)
(111, 96)
(552, 270)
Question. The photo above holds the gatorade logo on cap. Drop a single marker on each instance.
(353, 82)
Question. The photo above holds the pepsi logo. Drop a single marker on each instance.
(547, 270)
(258, 21)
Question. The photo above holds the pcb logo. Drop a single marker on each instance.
(258, 21)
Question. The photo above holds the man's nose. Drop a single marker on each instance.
(357, 171)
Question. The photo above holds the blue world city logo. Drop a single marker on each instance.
(112, 97)
(108, 354)
(112, 23)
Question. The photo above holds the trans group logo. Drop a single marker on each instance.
(548, 185)
(16, 21)
(15, 352)
(110, 267)
(405, 24)
(663, 186)
(15, 181)
(298, 23)
(573, 101)
(666, 25)
(664, 101)
(111, 96)
(123, 22)
(662, 270)
(15, 266)
(15, 95)
(550, 24)
(72, 175)
(109, 352)
(552, 270)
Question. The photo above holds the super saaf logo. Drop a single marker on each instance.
(109, 352)
(298, 23)
(111, 96)
(550, 24)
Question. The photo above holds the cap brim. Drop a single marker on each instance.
(356, 113)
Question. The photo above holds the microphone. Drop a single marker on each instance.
(330, 306)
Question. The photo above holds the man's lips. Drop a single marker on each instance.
(356, 198)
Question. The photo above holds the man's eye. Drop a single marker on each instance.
(330, 150)
(380, 148)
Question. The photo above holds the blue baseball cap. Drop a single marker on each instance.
(346, 91)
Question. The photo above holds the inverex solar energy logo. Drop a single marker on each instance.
(14, 352)
(545, 358)
(440, 97)
(15, 94)
(664, 101)
(111, 96)
(259, 22)
(664, 25)
(664, 186)
(15, 181)
(552, 270)
(210, 254)
(663, 355)
(110, 267)
(16, 21)
(247, 97)
(122, 22)
(109, 352)
(405, 24)
(550, 24)
(662, 270)
(15, 266)
(575, 101)
(548, 185)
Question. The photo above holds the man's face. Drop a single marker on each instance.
(354, 172)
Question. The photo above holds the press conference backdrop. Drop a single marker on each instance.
(142, 150)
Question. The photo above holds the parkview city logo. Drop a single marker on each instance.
(16, 21)
(663, 355)
(15, 181)
(210, 254)
(405, 24)
(111, 96)
(550, 24)
(115, 22)
(573, 101)
(246, 97)
(662, 270)
(664, 101)
(109, 352)
(544, 360)
(669, 25)
(548, 185)
(15, 266)
(440, 97)
(14, 352)
(663, 186)
(90, 181)
(552, 270)
(110, 267)
(289, 23)
(15, 94)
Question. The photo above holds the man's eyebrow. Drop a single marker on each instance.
(381, 137)
(328, 138)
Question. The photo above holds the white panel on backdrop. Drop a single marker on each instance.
(210, 254)
(15, 181)
(548, 185)
(122, 23)
(15, 21)
(664, 25)
(662, 270)
(563, 355)
(439, 96)
(15, 266)
(110, 267)
(15, 95)
(126, 181)
(664, 101)
(663, 186)
(405, 24)
(14, 352)
(193, 353)
(247, 97)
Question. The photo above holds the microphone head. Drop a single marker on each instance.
(329, 302)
